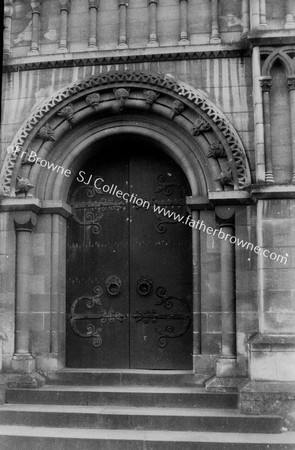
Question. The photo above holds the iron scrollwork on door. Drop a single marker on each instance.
(89, 206)
(144, 285)
(159, 320)
(173, 202)
(88, 312)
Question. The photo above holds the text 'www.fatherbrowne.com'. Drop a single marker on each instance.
(134, 199)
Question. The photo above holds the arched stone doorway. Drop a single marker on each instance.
(129, 267)
(182, 122)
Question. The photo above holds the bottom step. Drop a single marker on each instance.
(28, 438)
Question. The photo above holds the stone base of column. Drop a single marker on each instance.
(229, 384)
(215, 40)
(289, 23)
(152, 44)
(33, 53)
(62, 50)
(24, 381)
(92, 48)
(122, 46)
(226, 367)
(183, 42)
(23, 363)
(269, 178)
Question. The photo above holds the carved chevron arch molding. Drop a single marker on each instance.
(182, 98)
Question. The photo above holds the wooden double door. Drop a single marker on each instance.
(129, 267)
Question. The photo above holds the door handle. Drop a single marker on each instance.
(144, 285)
(113, 284)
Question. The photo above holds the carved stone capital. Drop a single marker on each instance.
(265, 84)
(177, 108)
(35, 5)
(8, 8)
(150, 97)
(46, 133)
(200, 126)
(67, 112)
(152, 1)
(291, 84)
(122, 3)
(225, 177)
(23, 185)
(216, 151)
(93, 4)
(121, 95)
(24, 220)
(65, 5)
(225, 216)
(93, 100)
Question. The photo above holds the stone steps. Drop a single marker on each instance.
(97, 417)
(126, 377)
(126, 396)
(28, 438)
(115, 410)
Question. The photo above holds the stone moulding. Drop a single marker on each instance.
(193, 99)
(238, 52)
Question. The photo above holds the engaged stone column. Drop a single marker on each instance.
(23, 361)
(183, 13)
(123, 4)
(265, 84)
(255, 14)
(93, 8)
(64, 14)
(226, 365)
(262, 11)
(8, 11)
(291, 87)
(289, 21)
(258, 116)
(35, 5)
(215, 39)
(153, 37)
(246, 17)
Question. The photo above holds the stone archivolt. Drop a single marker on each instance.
(194, 103)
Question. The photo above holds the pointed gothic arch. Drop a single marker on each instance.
(202, 139)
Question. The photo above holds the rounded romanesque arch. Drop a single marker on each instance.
(62, 131)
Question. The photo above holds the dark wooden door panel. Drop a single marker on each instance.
(160, 249)
(98, 260)
(129, 268)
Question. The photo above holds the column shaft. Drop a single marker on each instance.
(22, 360)
(266, 85)
(228, 295)
(122, 25)
(153, 37)
(54, 317)
(255, 14)
(246, 17)
(8, 11)
(183, 11)
(23, 270)
(262, 13)
(258, 117)
(215, 39)
(93, 7)
(291, 87)
(64, 14)
(289, 21)
(196, 286)
(34, 49)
